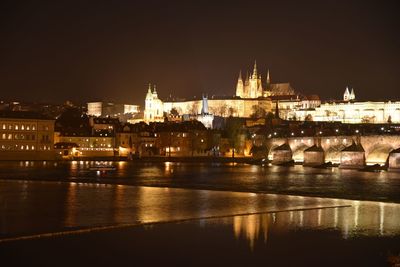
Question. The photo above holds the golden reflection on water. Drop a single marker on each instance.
(70, 203)
(362, 218)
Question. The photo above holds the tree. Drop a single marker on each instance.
(231, 111)
(258, 112)
(174, 112)
(194, 109)
(233, 129)
(222, 110)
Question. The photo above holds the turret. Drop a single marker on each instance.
(352, 94)
(268, 80)
(155, 95)
(204, 108)
(149, 94)
(254, 76)
(346, 95)
(239, 86)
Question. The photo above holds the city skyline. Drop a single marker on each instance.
(54, 52)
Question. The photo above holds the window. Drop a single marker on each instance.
(3, 136)
(33, 147)
(16, 137)
(22, 127)
(33, 127)
(10, 127)
(9, 136)
(16, 127)
(27, 127)
(4, 126)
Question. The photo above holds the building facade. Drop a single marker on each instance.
(26, 136)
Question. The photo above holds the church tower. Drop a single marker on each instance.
(253, 83)
(267, 91)
(346, 95)
(352, 94)
(239, 86)
(153, 106)
(148, 105)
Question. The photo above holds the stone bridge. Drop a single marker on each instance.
(377, 147)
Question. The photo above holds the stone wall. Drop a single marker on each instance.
(314, 158)
(352, 159)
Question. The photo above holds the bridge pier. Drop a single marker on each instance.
(282, 155)
(352, 157)
(314, 156)
(394, 160)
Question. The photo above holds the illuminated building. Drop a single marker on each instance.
(108, 109)
(351, 111)
(250, 96)
(26, 136)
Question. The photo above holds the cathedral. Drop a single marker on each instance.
(252, 86)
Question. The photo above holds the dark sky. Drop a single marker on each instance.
(52, 51)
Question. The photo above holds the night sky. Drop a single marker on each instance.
(51, 51)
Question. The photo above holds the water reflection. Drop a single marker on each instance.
(297, 180)
(361, 219)
(31, 207)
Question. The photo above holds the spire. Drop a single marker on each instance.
(154, 90)
(352, 94)
(149, 94)
(268, 79)
(255, 69)
(346, 95)
(240, 75)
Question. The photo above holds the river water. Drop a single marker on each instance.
(196, 214)
(297, 180)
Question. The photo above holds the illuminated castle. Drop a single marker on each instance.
(252, 94)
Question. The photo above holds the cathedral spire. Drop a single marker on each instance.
(268, 79)
(149, 88)
(240, 75)
(255, 69)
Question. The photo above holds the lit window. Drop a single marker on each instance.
(16, 127)
(22, 147)
(10, 127)
(27, 147)
(22, 127)
(4, 126)
(33, 147)
(33, 127)
(3, 136)
(27, 127)
(9, 136)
